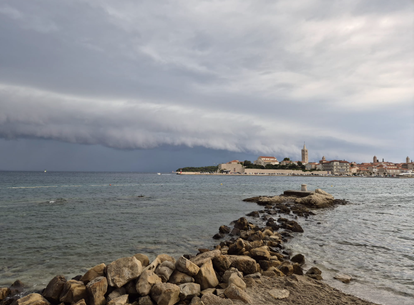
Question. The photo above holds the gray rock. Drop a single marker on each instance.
(54, 288)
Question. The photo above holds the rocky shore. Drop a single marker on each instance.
(250, 265)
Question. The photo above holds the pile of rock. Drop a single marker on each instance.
(318, 199)
(219, 276)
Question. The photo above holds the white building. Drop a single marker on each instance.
(264, 160)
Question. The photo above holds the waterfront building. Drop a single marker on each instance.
(375, 159)
(234, 166)
(264, 160)
(305, 158)
(337, 167)
(407, 160)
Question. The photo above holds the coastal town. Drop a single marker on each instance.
(269, 165)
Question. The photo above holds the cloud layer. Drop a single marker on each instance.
(244, 76)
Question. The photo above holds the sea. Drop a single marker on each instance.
(67, 222)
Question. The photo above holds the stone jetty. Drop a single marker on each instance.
(249, 266)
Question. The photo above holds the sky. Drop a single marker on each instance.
(153, 86)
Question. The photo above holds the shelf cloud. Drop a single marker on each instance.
(259, 77)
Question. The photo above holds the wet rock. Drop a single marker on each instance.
(237, 248)
(224, 229)
(33, 299)
(235, 232)
(93, 273)
(96, 290)
(165, 293)
(189, 290)
(242, 224)
(186, 266)
(16, 288)
(164, 270)
(314, 273)
(123, 270)
(261, 253)
(206, 277)
(297, 269)
(218, 236)
(145, 282)
(221, 263)
(343, 278)
(143, 259)
(266, 264)
(286, 268)
(4, 293)
(73, 291)
(180, 278)
(253, 214)
(122, 300)
(211, 299)
(298, 258)
(54, 288)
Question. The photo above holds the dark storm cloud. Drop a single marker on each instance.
(243, 76)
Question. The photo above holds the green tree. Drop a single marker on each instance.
(286, 159)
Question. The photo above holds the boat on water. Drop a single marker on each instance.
(159, 174)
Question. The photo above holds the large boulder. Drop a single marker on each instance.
(54, 288)
(159, 260)
(237, 248)
(94, 272)
(243, 263)
(319, 199)
(186, 266)
(165, 293)
(73, 291)
(206, 277)
(123, 270)
(189, 290)
(205, 257)
(242, 224)
(96, 290)
(143, 259)
(33, 299)
(314, 273)
(221, 263)
(145, 282)
(261, 253)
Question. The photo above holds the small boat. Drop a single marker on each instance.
(45, 171)
(159, 174)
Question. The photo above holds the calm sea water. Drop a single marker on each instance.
(64, 223)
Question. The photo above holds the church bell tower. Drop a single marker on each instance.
(305, 158)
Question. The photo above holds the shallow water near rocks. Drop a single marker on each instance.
(64, 223)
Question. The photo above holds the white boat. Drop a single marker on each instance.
(159, 174)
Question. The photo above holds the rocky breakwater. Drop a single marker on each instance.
(250, 267)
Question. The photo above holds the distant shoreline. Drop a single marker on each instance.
(277, 175)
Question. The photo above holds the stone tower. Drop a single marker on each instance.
(407, 160)
(305, 158)
(375, 160)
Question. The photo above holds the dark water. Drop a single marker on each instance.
(64, 223)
